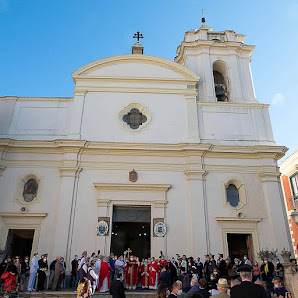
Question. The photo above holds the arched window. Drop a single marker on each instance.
(233, 195)
(30, 190)
(220, 81)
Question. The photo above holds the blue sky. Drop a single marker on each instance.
(43, 42)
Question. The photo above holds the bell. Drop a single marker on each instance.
(219, 91)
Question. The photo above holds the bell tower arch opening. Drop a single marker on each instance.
(220, 76)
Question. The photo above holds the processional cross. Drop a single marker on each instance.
(128, 251)
(138, 35)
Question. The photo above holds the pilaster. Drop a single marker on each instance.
(76, 114)
(192, 112)
(278, 228)
(198, 219)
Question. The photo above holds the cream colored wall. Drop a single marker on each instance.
(165, 167)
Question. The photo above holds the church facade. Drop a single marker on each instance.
(149, 154)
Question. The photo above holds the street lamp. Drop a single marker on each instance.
(294, 216)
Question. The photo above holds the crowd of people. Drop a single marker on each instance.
(180, 275)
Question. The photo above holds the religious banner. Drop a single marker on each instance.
(103, 226)
(159, 227)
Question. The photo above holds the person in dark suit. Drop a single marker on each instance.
(267, 270)
(247, 289)
(117, 289)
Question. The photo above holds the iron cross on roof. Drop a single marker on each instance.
(138, 35)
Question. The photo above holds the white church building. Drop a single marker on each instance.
(149, 154)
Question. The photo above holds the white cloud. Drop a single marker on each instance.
(278, 98)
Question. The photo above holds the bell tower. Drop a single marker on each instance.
(222, 61)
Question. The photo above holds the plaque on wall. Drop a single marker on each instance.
(103, 226)
(159, 227)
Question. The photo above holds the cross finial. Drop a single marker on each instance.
(138, 35)
(203, 18)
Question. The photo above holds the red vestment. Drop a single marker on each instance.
(103, 273)
(163, 263)
(153, 275)
(145, 276)
(131, 275)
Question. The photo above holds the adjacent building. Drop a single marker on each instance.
(289, 180)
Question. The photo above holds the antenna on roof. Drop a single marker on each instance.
(203, 18)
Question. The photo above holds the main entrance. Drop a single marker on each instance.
(240, 245)
(19, 242)
(131, 228)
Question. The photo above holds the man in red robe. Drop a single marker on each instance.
(163, 262)
(153, 274)
(145, 274)
(104, 282)
(131, 273)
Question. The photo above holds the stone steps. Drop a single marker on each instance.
(68, 294)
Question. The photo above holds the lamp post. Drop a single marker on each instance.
(294, 216)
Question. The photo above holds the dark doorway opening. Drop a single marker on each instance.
(131, 229)
(240, 245)
(19, 243)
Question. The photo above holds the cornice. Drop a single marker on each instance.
(108, 187)
(46, 99)
(207, 44)
(233, 105)
(123, 89)
(147, 80)
(14, 214)
(142, 149)
(238, 220)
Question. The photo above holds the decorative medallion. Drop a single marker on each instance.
(133, 176)
(102, 228)
(160, 229)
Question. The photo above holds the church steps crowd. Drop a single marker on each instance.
(184, 276)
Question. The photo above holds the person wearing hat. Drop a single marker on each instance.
(247, 289)
(222, 287)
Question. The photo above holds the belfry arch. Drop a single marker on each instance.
(221, 81)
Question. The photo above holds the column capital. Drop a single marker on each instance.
(70, 171)
(103, 203)
(195, 174)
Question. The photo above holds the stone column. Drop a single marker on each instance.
(289, 271)
(198, 217)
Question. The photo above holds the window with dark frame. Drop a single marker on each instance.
(134, 118)
(233, 195)
(294, 185)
